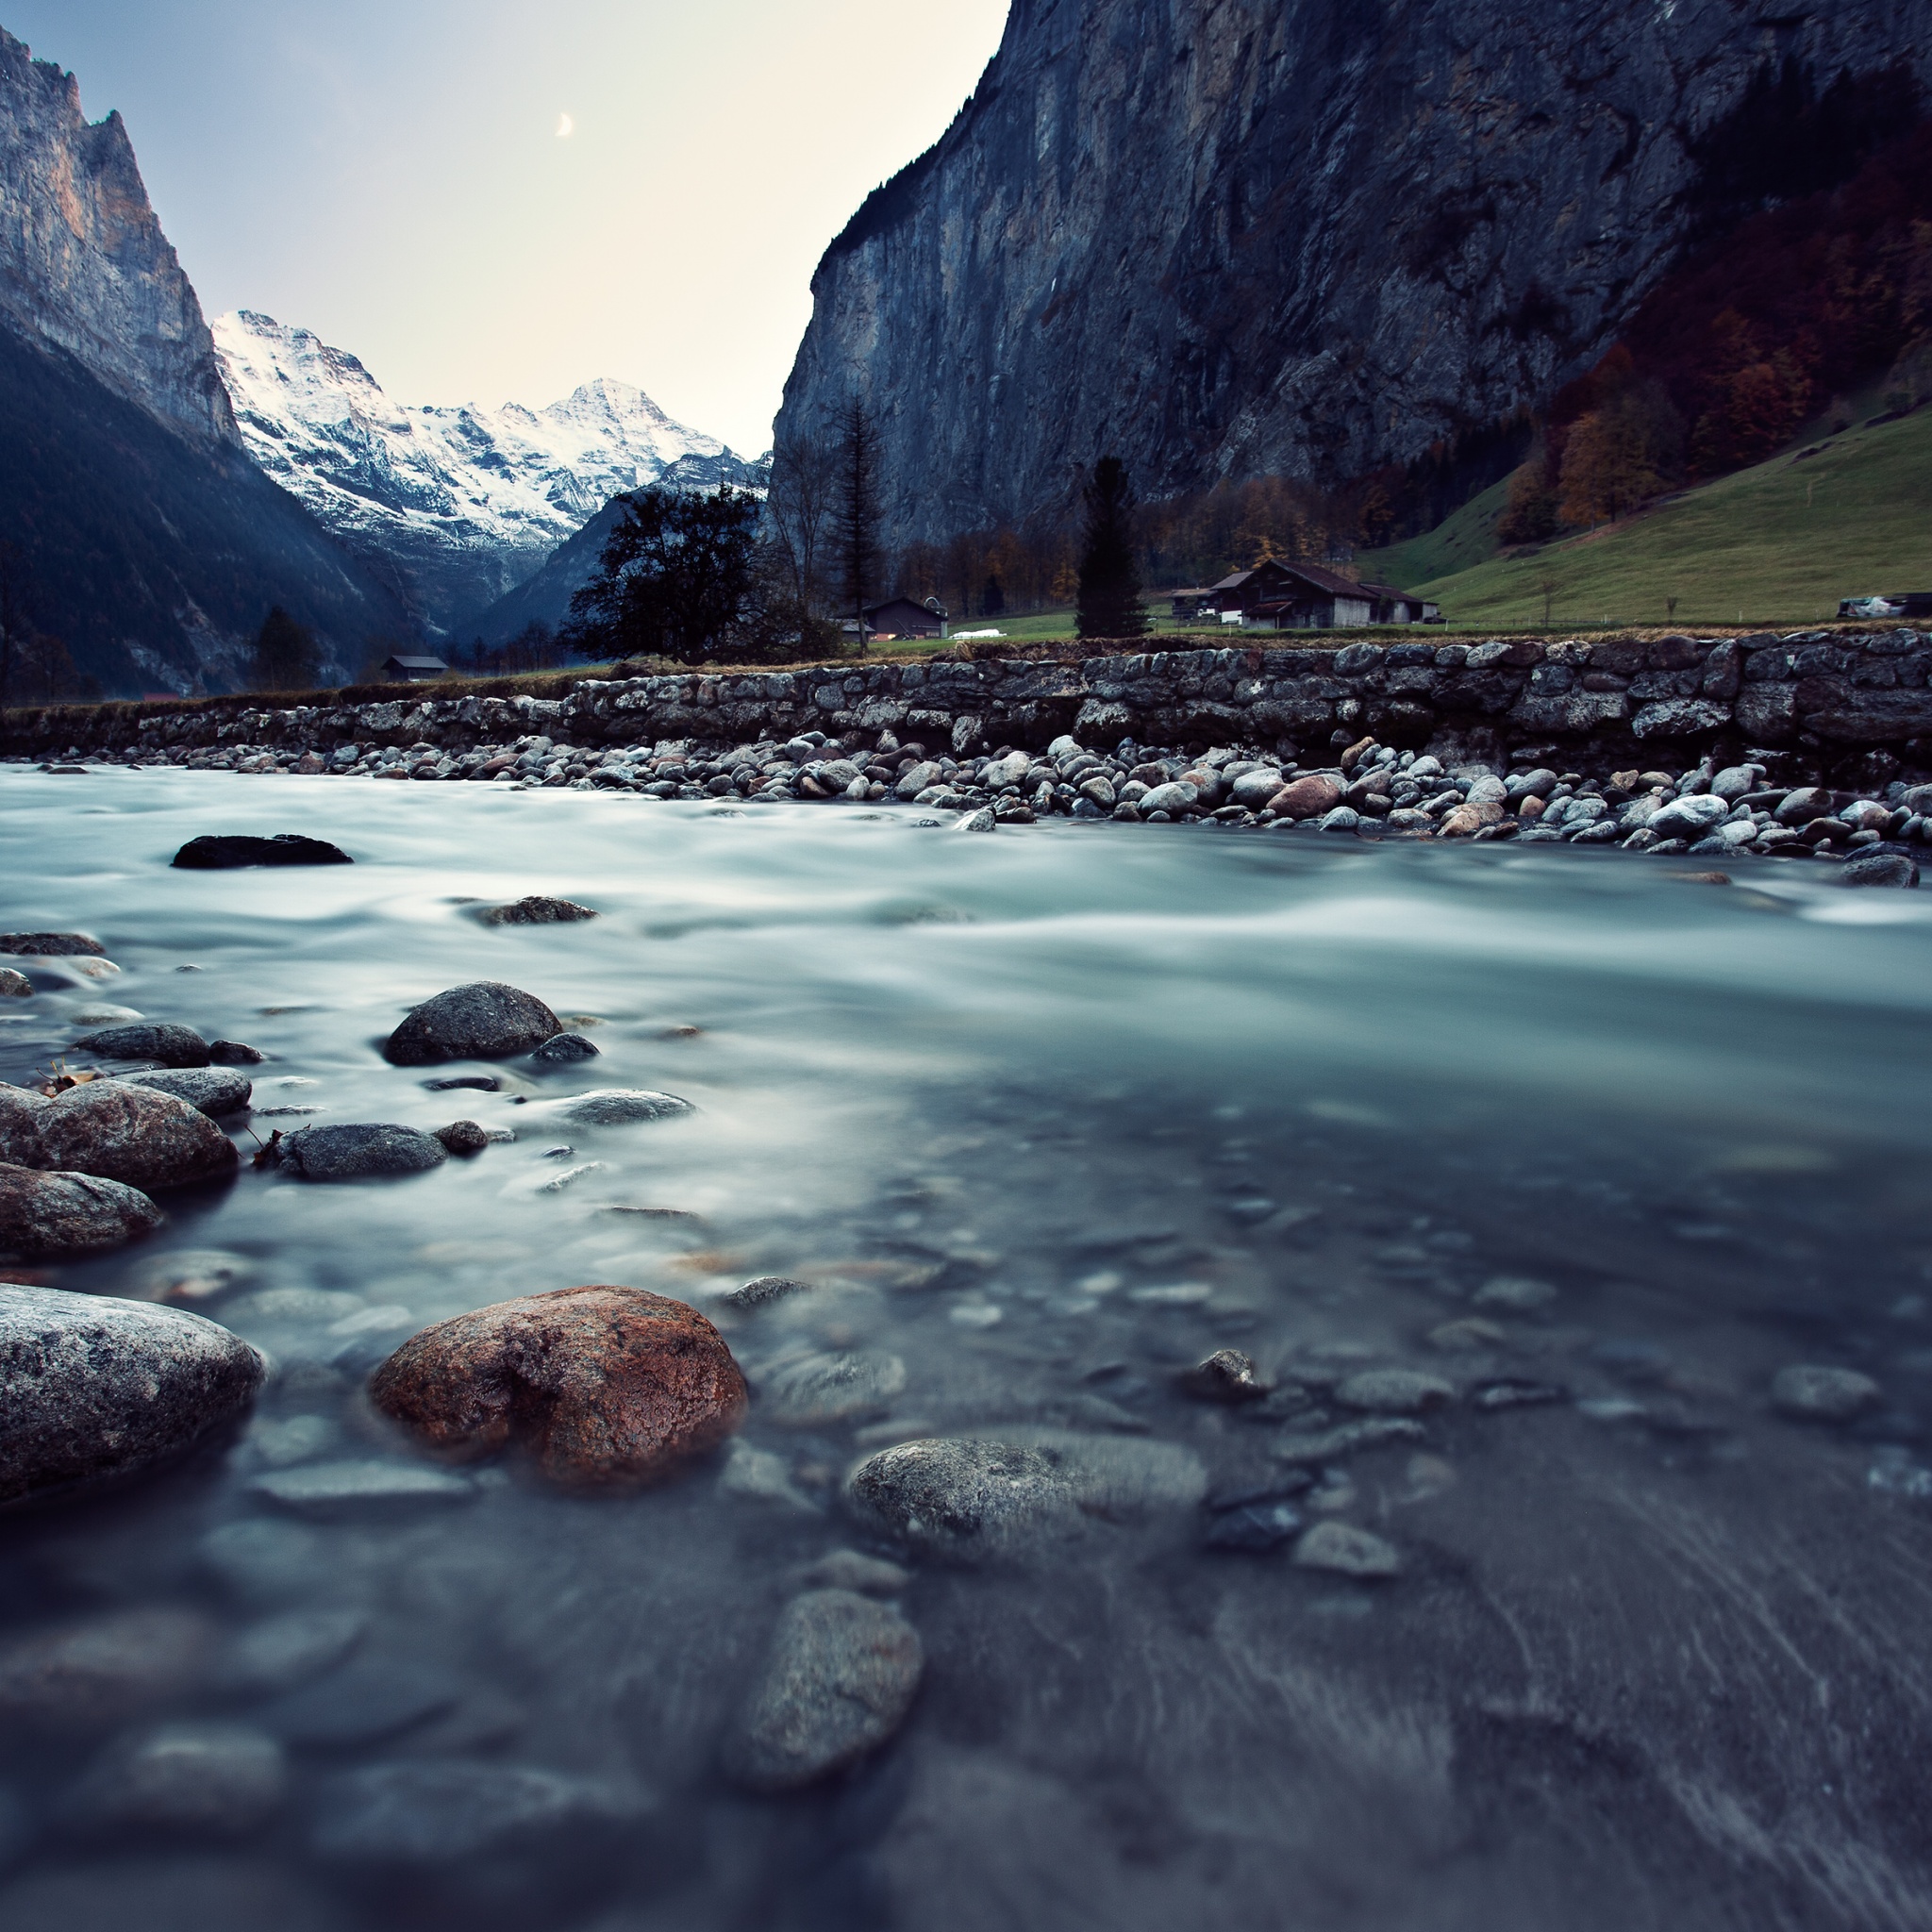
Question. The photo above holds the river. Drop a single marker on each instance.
(1044, 1118)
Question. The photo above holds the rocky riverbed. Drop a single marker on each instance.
(1109, 1377)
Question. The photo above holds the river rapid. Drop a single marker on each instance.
(1045, 1118)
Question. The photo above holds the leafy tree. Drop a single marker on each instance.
(1619, 455)
(285, 656)
(1530, 515)
(1108, 603)
(855, 508)
(675, 577)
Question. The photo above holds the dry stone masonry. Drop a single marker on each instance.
(1816, 738)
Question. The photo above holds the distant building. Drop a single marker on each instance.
(413, 670)
(1305, 596)
(903, 618)
(1190, 603)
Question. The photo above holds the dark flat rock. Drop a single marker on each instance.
(537, 911)
(50, 945)
(172, 1046)
(212, 1091)
(357, 1151)
(232, 851)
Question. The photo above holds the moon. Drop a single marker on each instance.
(565, 128)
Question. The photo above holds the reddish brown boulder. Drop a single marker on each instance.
(133, 1134)
(606, 1387)
(1306, 798)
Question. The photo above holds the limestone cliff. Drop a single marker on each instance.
(84, 265)
(1228, 238)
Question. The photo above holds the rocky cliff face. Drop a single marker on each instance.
(461, 504)
(84, 266)
(1227, 238)
(148, 541)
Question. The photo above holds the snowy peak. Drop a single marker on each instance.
(464, 502)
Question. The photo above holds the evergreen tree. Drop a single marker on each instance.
(1109, 596)
(675, 577)
(855, 508)
(993, 600)
(285, 656)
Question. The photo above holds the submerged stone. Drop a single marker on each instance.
(359, 1152)
(838, 1681)
(55, 1214)
(172, 1046)
(232, 851)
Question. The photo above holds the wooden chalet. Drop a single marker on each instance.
(901, 618)
(1305, 596)
(413, 670)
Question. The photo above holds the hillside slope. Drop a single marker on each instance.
(1779, 543)
(1234, 237)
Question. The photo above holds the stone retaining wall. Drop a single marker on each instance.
(1850, 707)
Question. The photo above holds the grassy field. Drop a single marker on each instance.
(1779, 544)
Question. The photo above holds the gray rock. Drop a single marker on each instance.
(536, 910)
(1536, 784)
(1347, 1550)
(1733, 782)
(1807, 1392)
(838, 1681)
(918, 779)
(210, 1780)
(980, 820)
(1227, 1375)
(14, 985)
(849, 1569)
(93, 1674)
(1254, 788)
(1344, 818)
(174, 1046)
(350, 1153)
(212, 1091)
(429, 1813)
(1314, 1449)
(767, 1287)
(1879, 869)
(367, 1699)
(132, 1135)
(808, 1390)
(94, 1389)
(1173, 797)
(485, 1020)
(1395, 1392)
(1487, 790)
(463, 1137)
(373, 1486)
(234, 1053)
(21, 1108)
(619, 1107)
(762, 1477)
(566, 1046)
(280, 1652)
(1688, 818)
(971, 1499)
(55, 1214)
(1798, 809)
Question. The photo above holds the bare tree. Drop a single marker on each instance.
(13, 623)
(805, 475)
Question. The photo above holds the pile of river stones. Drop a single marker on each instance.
(1372, 792)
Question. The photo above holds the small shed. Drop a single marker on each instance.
(413, 670)
(1189, 602)
(901, 618)
(1401, 607)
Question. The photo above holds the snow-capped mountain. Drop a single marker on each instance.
(460, 504)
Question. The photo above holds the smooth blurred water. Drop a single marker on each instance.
(1656, 1655)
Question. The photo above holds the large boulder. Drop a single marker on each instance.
(53, 1214)
(94, 1389)
(20, 1125)
(354, 1152)
(133, 1134)
(607, 1386)
(838, 1682)
(231, 851)
(1310, 797)
(484, 1021)
(172, 1046)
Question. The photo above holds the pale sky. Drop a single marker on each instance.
(393, 174)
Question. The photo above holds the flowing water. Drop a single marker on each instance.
(1044, 1117)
